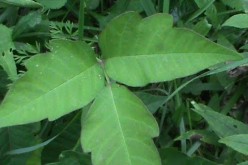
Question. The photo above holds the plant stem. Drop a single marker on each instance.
(166, 6)
(81, 20)
(76, 146)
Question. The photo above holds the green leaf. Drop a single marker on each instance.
(8, 63)
(73, 158)
(135, 5)
(202, 27)
(141, 54)
(26, 23)
(92, 4)
(118, 7)
(148, 6)
(6, 42)
(52, 4)
(237, 4)
(15, 138)
(35, 159)
(31, 148)
(6, 56)
(4, 81)
(237, 142)
(243, 163)
(203, 6)
(153, 102)
(22, 3)
(202, 135)
(171, 156)
(222, 125)
(118, 129)
(238, 21)
(56, 83)
(71, 136)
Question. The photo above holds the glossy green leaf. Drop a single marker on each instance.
(238, 21)
(221, 124)
(118, 129)
(52, 4)
(237, 142)
(141, 54)
(22, 3)
(55, 84)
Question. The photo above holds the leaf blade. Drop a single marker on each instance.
(118, 128)
(149, 55)
(6, 56)
(52, 79)
(15, 138)
(222, 125)
(54, 4)
(238, 21)
(22, 3)
(237, 142)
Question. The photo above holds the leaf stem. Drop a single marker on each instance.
(76, 146)
(101, 62)
(81, 20)
(107, 78)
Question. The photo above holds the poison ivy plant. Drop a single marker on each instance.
(118, 128)
(111, 116)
